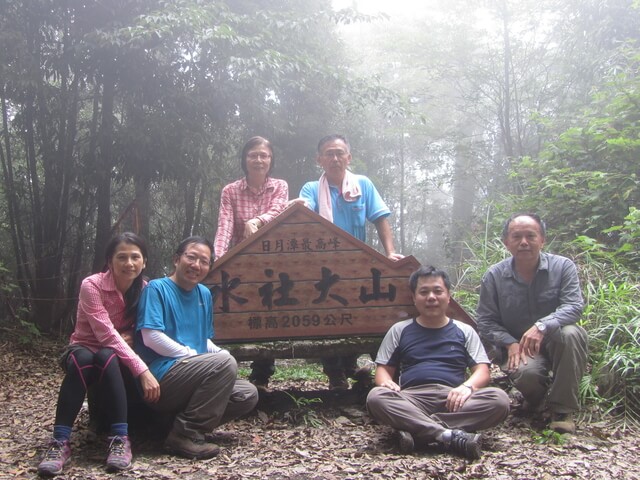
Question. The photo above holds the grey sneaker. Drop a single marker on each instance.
(465, 444)
(562, 423)
(58, 454)
(190, 447)
(405, 442)
(120, 455)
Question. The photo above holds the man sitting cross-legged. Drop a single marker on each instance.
(434, 402)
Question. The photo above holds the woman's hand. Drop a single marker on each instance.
(150, 387)
(251, 227)
(128, 337)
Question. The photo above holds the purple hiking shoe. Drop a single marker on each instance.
(58, 454)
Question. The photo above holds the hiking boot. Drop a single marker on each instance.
(120, 455)
(465, 444)
(187, 447)
(338, 382)
(58, 454)
(562, 423)
(261, 384)
(219, 436)
(405, 442)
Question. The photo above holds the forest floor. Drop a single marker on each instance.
(299, 431)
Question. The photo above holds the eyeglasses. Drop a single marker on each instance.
(191, 258)
(329, 154)
(258, 155)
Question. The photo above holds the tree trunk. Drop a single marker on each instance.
(15, 221)
(105, 165)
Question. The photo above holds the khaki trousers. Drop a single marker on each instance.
(421, 410)
(204, 392)
(564, 352)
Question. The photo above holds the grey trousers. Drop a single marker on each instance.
(204, 392)
(564, 352)
(421, 410)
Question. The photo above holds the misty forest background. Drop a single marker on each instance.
(129, 115)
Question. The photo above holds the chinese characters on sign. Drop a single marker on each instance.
(300, 276)
(280, 293)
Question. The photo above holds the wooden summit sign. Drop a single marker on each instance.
(300, 276)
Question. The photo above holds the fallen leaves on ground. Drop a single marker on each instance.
(270, 444)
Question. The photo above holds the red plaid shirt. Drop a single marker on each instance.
(239, 203)
(100, 319)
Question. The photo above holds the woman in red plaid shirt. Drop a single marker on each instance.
(251, 202)
(245, 206)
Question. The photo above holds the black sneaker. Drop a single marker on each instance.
(465, 444)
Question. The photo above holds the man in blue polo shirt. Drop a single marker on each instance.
(347, 200)
(422, 389)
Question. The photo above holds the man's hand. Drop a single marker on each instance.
(150, 387)
(251, 227)
(299, 200)
(531, 342)
(391, 385)
(516, 357)
(395, 256)
(457, 398)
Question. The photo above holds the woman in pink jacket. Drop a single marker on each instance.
(100, 344)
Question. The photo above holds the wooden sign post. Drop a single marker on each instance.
(301, 277)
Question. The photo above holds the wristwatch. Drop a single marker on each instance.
(541, 326)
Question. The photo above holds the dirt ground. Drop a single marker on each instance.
(284, 439)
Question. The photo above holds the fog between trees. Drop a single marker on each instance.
(130, 115)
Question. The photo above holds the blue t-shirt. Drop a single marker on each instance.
(431, 355)
(184, 316)
(350, 216)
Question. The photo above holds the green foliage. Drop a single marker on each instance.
(610, 279)
(586, 179)
(548, 437)
(612, 320)
(303, 413)
(485, 252)
(299, 372)
(14, 320)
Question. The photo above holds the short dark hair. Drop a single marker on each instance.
(428, 271)
(254, 142)
(534, 216)
(331, 138)
(195, 239)
(132, 295)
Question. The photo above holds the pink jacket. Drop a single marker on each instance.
(100, 318)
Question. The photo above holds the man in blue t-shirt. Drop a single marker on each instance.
(422, 389)
(198, 380)
(348, 200)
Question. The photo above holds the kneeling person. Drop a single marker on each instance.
(198, 380)
(434, 402)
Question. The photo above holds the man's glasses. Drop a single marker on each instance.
(329, 154)
(258, 155)
(192, 259)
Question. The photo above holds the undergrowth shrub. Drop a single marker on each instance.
(611, 287)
